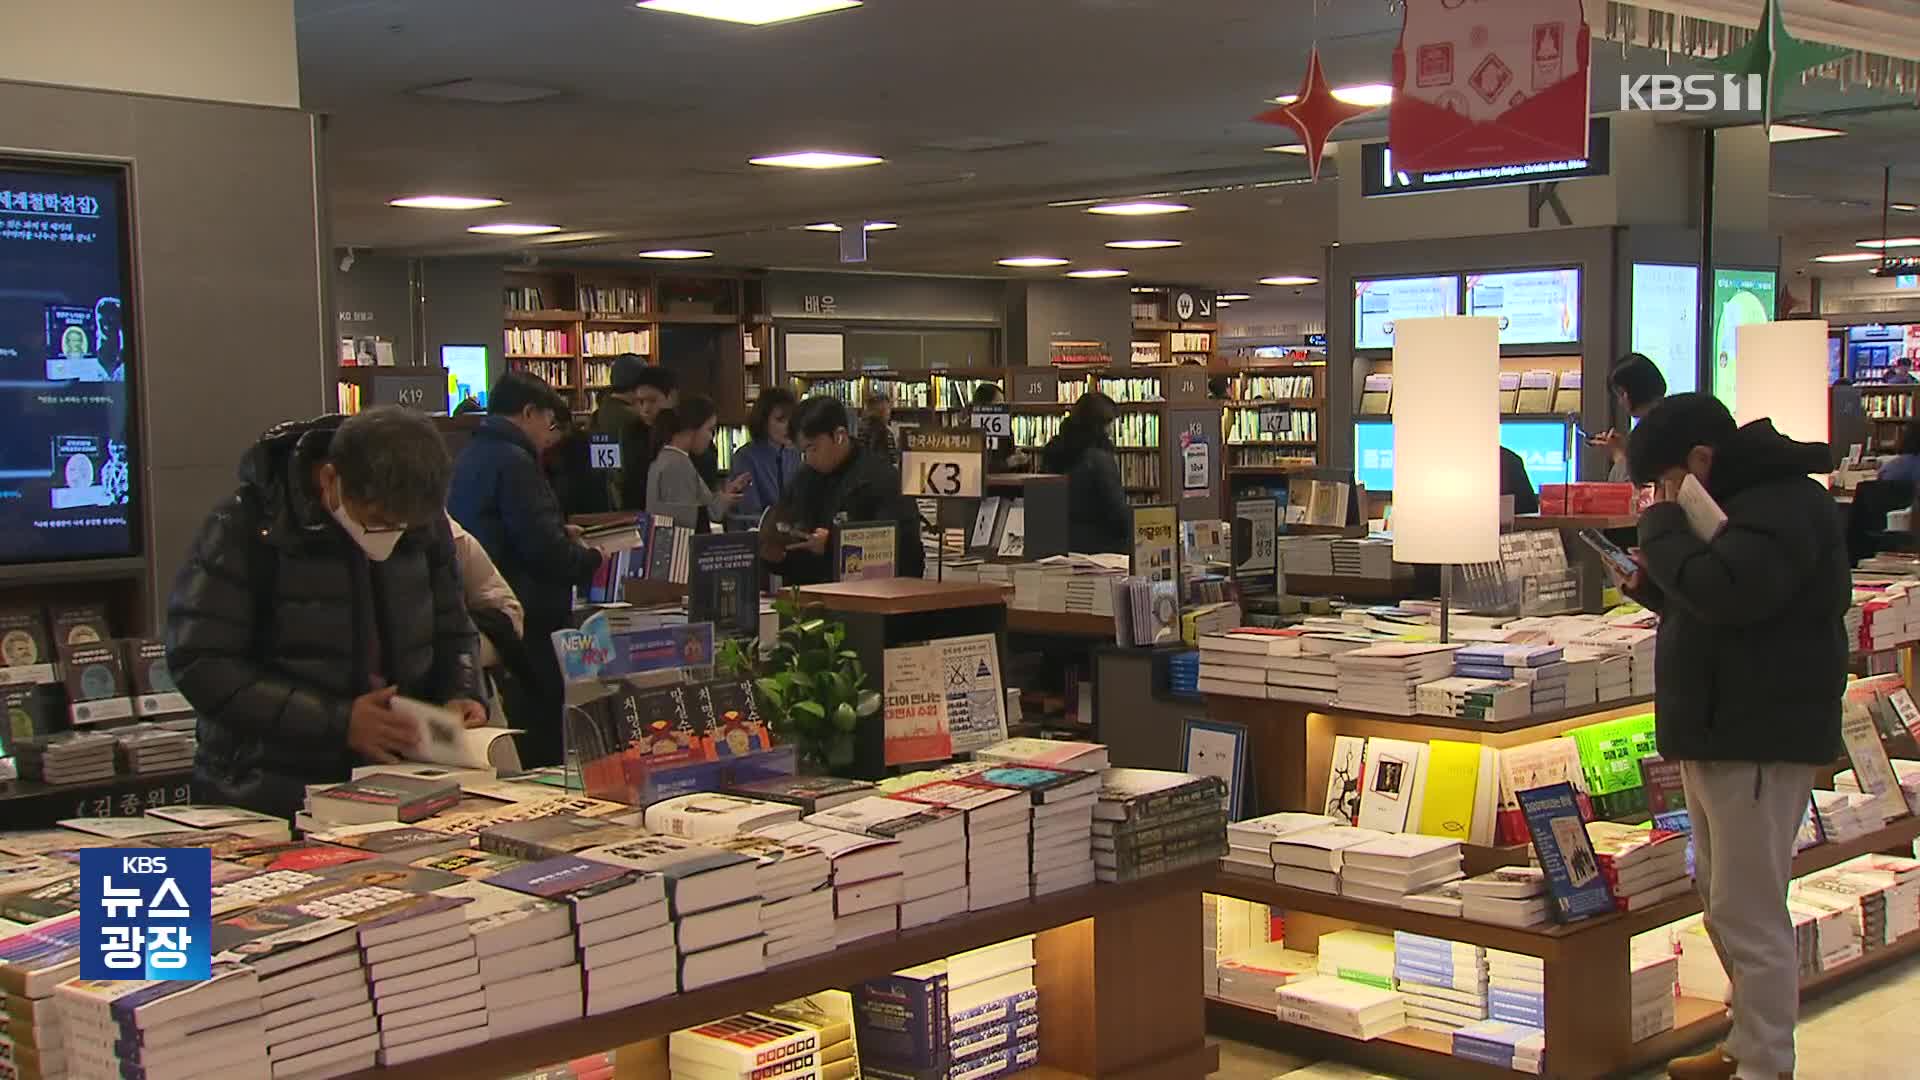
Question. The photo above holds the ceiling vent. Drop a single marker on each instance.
(487, 92)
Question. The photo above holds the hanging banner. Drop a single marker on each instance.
(1489, 83)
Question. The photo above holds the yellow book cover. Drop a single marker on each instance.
(1453, 774)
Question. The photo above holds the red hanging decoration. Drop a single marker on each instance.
(1314, 112)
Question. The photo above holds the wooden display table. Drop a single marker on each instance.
(32, 804)
(1119, 976)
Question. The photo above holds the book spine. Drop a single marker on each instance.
(1133, 873)
(513, 848)
(1170, 804)
(420, 809)
(1173, 830)
(1213, 840)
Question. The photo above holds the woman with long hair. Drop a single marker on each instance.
(769, 456)
(1098, 515)
(674, 485)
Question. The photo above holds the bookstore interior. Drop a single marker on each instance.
(1059, 670)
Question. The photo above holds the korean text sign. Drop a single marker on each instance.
(146, 913)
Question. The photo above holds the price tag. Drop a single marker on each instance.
(943, 464)
(604, 452)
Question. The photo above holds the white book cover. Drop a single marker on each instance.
(1486, 798)
(710, 815)
(1400, 848)
(1344, 775)
(1390, 784)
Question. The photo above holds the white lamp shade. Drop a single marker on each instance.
(1446, 435)
(1782, 374)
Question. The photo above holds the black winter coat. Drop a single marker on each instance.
(1752, 657)
(1099, 517)
(866, 488)
(272, 622)
(500, 495)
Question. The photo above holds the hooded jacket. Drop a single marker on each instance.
(276, 618)
(500, 495)
(865, 488)
(1752, 658)
(1099, 517)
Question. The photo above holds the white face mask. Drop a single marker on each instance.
(378, 545)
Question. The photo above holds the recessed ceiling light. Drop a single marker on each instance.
(1025, 262)
(1847, 257)
(1142, 245)
(1222, 304)
(446, 202)
(1371, 95)
(1285, 99)
(1138, 209)
(677, 253)
(1891, 242)
(1232, 296)
(1290, 279)
(1799, 133)
(1096, 273)
(1904, 207)
(513, 228)
(750, 12)
(816, 159)
(871, 226)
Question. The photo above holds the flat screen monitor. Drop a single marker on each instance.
(1740, 297)
(1535, 307)
(1379, 303)
(1836, 359)
(1542, 444)
(466, 374)
(1666, 322)
(1871, 350)
(69, 356)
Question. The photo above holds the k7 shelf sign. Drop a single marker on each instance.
(944, 463)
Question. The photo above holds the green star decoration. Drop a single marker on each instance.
(1773, 53)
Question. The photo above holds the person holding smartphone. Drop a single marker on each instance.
(1637, 386)
(840, 481)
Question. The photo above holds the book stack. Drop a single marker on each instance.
(1311, 859)
(1156, 821)
(993, 1010)
(393, 842)
(1612, 672)
(33, 961)
(1502, 1044)
(711, 815)
(1445, 982)
(810, 794)
(555, 835)
(1229, 927)
(1847, 782)
(1444, 899)
(1386, 678)
(715, 919)
(999, 828)
(865, 877)
(1254, 975)
(1510, 896)
(1583, 680)
(142, 749)
(120, 1028)
(1701, 975)
(1051, 753)
(66, 757)
(1490, 701)
(796, 906)
(1642, 866)
(930, 844)
(1824, 938)
(1384, 870)
(1516, 988)
(902, 1025)
(1863, 903)
(1351, 1009)
(1061, 805)
(1636, 644)
(1843, 817)
(829, 1013)
(1885, 622)
(1251, 662)
(315, 1002)
(1542, 668)
(747, 1046)
(1358, 956)
(1654, 982)
(1250, 842)
(381, 797)
(527, 956)
(1901, 879)
(606, 901)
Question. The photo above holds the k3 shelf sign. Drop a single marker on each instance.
(944, 464)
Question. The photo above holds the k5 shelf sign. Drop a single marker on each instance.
(944, 464)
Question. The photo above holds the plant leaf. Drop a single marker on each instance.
(844, 717)
(811, 711)
(774, 689)
(869, 703)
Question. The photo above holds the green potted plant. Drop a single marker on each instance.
(815, 688)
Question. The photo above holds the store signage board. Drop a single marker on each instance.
(1187, 305)
(993, 421)
(943, 463)
(1381, 176)
(1037, 386)
(1256, 550)
(1535, 307)
(603, 453)
(1381, 302)
(1156, 543)
(426, 393)
(1186, 384)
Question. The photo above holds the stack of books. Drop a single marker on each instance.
(1502, 1044)
(747, 1046)
(710, 815)
(1250, 842)
(714, 910)
(158, 1029)
(1254, 975)
(796, 904)
(1311, 859)
(1862, 903)
(527, 956)
(1386, 677)
(150, 748)
(999, 829)
(33, 961)
(1445, 982)
(1444, 899)
(1361, 956)
(1230, 926)
(1343, 1007)
(902, 1023)
(1843, 817)
(1847, 782)
(66, 757)
(1516, 988)
(1465, 697)
(865, 877)
(1701, 975)
(1059, 806)
(1636, 644)
(1386, 869)
(379, 797)
(1885, 622)
(1151, 821)
(1542, 668)
(1583, 681)
(1510, 896)
(1050, 753)
(993, 1010)
(1275, 664)
(317, 1005)
(811, 794)
(1642, 866)
(1654, 984)
(1612, 673)
(1901, 879)
(829, 1013)
(930, 844)
(1822, 938)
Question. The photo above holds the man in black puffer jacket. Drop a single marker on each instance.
(1751, 669)
(324, 586)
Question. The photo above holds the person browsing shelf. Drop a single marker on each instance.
(1099, 518)
(501, 496)
(841, 482)
(650, 389)
(1002, 455)
(1751, 669)
(769, 457)
(674, 484)
(876, 427)
(323, 587)
(1903, 472)
(1637, 386)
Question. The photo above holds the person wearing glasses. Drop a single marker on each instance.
(324, 586)
(501, 496)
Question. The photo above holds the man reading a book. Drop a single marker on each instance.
(326, 585)
(841, 481)
(1744, 557)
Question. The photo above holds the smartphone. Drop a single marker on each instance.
(1617, 559)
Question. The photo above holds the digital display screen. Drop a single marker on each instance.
(1740, 298)
(1541, 444)
(1871, 350)
(1377, 305)
(466, 374)
(1836, 354)
(68, 356)
(1535, 307)
(1666, 322)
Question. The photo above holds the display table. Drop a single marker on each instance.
(1119, 976)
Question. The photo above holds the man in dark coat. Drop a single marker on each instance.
(1751, 670)
(840, 481)
(322, 588)
(500, 495)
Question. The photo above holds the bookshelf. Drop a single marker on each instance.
(1274, 421)
(1161, 337)
(1888, 409)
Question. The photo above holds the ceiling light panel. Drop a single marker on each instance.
(1095, 274)
(1290, 279)
(1799, 133)
(1033, 262)
(677, 253)
(871, 226)
(1847, 257)
(1890, 242)
(749, 12)
(513, 228)
(446, 202)
(1138, 209)
(1142, 245)
(816, 159)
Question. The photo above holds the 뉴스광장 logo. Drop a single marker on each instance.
(146, 913)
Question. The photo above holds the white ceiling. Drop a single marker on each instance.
(986, 110)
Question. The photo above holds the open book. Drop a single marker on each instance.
(446, 740)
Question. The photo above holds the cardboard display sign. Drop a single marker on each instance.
(943, 463)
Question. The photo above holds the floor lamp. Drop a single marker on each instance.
(1446, 434)
(1782, 375)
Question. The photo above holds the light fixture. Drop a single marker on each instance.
(1142, 245)
(677, 253)
(513, 228)
(1290, 279)
(1222, 304)
(1096, 273)
(1904, 207)
(1891, 242)
(1371, 95)
(815, 159)
(1782, 374)
(1232, 296)
(1799, 133)
(1138, 209)
(1290, 148)
(1285, 99)
(1033, 262)
(1847, 257)
(446, 202)
(749, 12)
(871, 226)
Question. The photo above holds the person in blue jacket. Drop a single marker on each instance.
(769, 456)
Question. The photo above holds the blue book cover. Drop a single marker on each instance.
(1432, 969)
(998, 1011)
(1514, 1015)
(566, 878)
(900, 1022)
(1511, 656)
(1518, 999)
(1575, 885)
(1484, 1052)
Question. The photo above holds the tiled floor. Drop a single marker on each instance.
(1862, 1031)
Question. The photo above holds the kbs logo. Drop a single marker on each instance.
(1693, 93)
